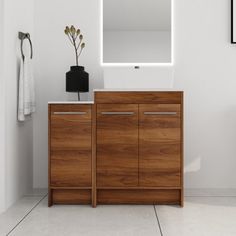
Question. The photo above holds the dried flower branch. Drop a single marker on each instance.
(73, 34)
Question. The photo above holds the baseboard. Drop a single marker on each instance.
(37, 192)
(210, 192)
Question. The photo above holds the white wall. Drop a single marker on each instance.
(53, 57)
(205, 68)
(137, 46)
(142, 78)
(2, 114)
(18, 15)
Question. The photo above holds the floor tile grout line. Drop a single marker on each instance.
(33, 195)
(158, 221)
(210, 196)
(24, 217)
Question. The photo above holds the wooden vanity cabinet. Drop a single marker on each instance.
(70, 154)
(126, 148)
(139, 147)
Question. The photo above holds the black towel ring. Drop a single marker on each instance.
(23, 36)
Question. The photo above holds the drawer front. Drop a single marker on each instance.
(71, 112)
(160, 145)
(117, 145)
(70, 146)
(68, 132)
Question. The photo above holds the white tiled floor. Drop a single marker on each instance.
(201, 216)
(16, 213)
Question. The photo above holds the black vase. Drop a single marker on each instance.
(77, 80)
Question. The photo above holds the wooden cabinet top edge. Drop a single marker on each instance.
(171, 91)
(137, 90)
(162, 97)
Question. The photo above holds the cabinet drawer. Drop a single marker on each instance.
(70, 127)
(71, 112)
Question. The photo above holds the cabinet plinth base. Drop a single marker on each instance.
(137, 196)
(71, 196)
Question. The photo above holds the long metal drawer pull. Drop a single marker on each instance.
(117, 113)
(160, 113)
(70, 113)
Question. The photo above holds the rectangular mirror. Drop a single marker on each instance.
(137, 32)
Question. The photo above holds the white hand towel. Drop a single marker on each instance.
(26, 94)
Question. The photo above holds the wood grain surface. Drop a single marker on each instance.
(71, 196)
(138, 196)
(70, 150)
(127, 148)
(117, 145)
(138, 97)
(159, 146)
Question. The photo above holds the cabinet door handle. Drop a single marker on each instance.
(70, 113)
(170, 113)
(117, 113)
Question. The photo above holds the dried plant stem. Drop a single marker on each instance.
(80, 51)
(76, 37)
(73, 34)
(79, 44)
(76, 52)
(70, 39)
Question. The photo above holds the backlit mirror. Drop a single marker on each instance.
(136, 32)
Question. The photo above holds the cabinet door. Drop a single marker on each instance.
(117, 145)
(159, 145)
(70, 128)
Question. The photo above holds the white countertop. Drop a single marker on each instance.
(138, 90)
(116, 90)
(71, 102)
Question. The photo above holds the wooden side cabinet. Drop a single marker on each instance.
(70, 154)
